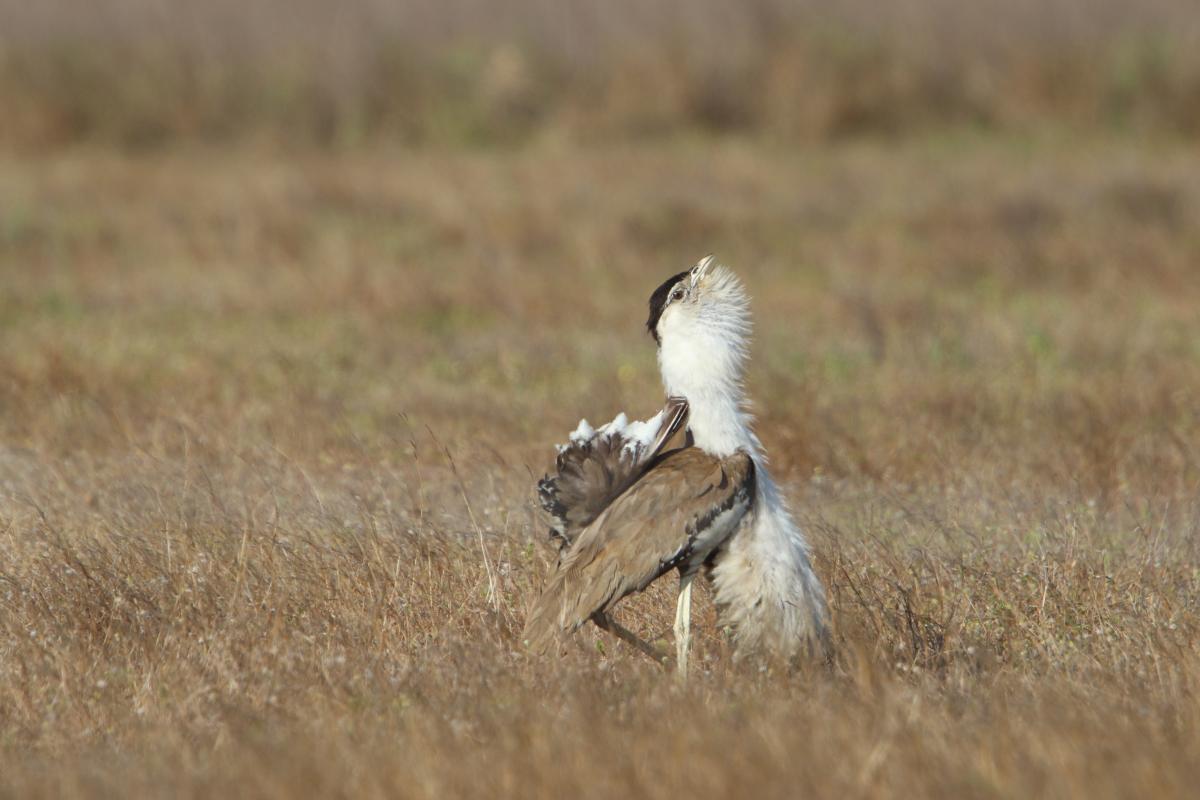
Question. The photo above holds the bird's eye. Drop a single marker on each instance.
(677, 294)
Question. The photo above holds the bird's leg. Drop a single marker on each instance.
(683, 624)
(607, 623)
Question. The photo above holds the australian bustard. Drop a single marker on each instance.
(627, 511)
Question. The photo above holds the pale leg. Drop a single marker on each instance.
(683, 624)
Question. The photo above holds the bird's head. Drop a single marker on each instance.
(701, 321)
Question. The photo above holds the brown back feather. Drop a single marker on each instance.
(635, 539)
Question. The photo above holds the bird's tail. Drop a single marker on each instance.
(592, 470)
(580, 587)
(545, 625)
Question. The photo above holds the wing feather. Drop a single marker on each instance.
(595, 467)
(647, 531)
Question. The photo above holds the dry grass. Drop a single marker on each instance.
(151, 72)
(235, 557)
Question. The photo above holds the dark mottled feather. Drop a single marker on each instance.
(591, 473)
(588, 476)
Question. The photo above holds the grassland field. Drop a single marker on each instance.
(270, 423)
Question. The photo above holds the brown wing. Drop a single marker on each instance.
(590, 473)
(660, 523)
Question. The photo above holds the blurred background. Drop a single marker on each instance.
(296, 297)
(147, 73)
(143, 73)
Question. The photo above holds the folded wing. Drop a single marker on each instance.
(681, 509)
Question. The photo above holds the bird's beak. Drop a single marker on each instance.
(701, 269)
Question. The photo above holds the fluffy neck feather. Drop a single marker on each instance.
(718, 423)
(702, 356)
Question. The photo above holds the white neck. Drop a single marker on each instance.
(707, 372)
(719, 425)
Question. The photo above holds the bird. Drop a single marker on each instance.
(626, 509)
